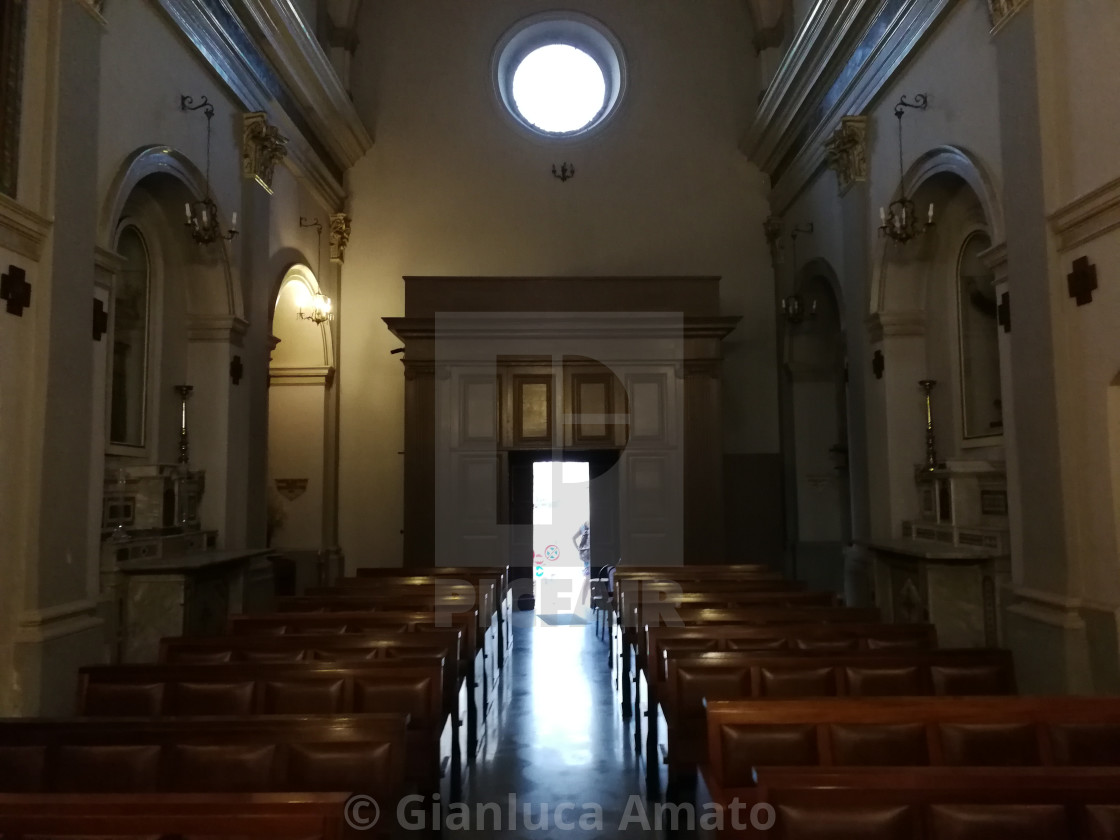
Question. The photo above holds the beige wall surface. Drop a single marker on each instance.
(452, 187)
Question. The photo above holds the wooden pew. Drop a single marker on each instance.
(906, 731)
(696, 678)
(378, 622)
(431, 645)
(938, 803)
(499, 574)
(287, 816)
(315, 688)
(415, 596)
(257, 754)
(661, 642)
(748, 615)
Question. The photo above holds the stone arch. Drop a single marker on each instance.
(307, 344)
(935, 167)
(172, 179)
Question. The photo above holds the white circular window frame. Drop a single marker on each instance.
(573, 29)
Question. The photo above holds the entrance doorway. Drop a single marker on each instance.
(561, 539)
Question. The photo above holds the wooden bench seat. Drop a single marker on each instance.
(450, 599)
(907, 731)
(500, 575)
(330, 622)
(288, 816)
(696, 678)
(255, 754)
(940, 804)
(633, 654)
(288, 688)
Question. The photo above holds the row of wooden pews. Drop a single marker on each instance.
(362, 693)
(796, 718)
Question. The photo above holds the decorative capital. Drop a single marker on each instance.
(340, 236)
(262, 147)
(846, 152)
(1000, 11)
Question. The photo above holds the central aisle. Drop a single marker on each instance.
(557, 736)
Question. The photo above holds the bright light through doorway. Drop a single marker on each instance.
(561, 507)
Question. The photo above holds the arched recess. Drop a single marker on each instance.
(816, 368)
(196, 329)
(918, 329)
(302, 442)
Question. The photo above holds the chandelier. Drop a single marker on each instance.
(900, 221)
(318, 305)
(202, 215)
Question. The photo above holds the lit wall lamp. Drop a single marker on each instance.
(900, 220)
(202, 216)
(318, 309)
(318, 305)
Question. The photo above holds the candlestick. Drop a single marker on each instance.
(931, 446)
(183, 391)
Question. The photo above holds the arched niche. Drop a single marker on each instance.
(816, 361)
(173, 180)
(302, 444)
(196, 329)
(301, 342)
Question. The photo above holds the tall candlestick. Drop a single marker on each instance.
(931, 446)
(183, 391)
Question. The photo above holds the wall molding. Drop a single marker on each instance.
(845, 54)
(228, 329)
(1050, 608)
(1088, 217)
(22, 230)
(299, 90)
(47, 623)
(321, 375)
(881, 325)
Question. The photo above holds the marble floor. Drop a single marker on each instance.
(558, 758)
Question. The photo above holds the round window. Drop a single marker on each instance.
(559, 74)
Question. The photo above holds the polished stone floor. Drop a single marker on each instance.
(558, 745)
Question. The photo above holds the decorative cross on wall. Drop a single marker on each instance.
(877, 364)
(100, 319)
(1003, 312)
(15, 289)
(1082, 281)
(236, 370)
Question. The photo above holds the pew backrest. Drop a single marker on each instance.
(256, 754)
(903, 731)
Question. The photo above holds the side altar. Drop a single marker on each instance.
(160, 571)
(953, 560)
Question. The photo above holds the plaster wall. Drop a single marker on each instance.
(452, 187)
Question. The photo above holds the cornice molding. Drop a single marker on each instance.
(881, 325)
(46, 623)
(1088, 217)
(605, 326)
(229, 329)
(995, 258)
(321, 375)
(1050, 608)
(22, 230)
(302, 96)
(845, 54)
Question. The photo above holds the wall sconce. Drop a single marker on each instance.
(318, 305)
(900, 220)
(795, 310)
(318, 309)
(202, 216)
